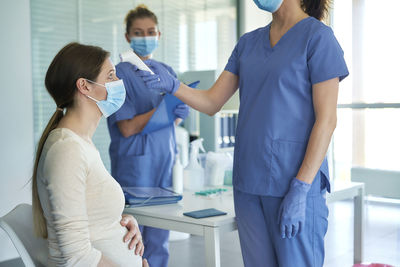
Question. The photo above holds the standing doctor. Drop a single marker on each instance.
(143, 160)
(288, 73)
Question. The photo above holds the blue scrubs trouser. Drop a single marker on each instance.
(260, 239)
(155, 246)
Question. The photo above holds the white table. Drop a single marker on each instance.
(355, 191)
(171, 217)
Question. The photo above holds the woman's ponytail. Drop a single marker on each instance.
(316, 8)
(39, 221)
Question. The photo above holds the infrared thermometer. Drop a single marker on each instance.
(131, 57)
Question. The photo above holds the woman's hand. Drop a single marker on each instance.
(145, 263)
(133, 235)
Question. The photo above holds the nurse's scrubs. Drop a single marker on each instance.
(142, 160)
(276, 116)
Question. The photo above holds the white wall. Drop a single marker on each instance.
(16, 110)
(251, 17)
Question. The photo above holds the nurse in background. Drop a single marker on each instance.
(136, 159)
(288, 73)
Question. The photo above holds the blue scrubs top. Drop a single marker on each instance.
(140, 160)
(276, 113)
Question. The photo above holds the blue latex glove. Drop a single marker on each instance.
(292, 212)
(182, 111)
(162, 80)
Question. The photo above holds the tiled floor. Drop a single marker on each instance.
(382, 240)
(382, 234)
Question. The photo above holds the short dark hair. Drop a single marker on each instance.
(141, 11)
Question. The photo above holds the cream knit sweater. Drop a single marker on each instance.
(82, 204)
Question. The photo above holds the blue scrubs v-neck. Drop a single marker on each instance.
(268, 46)
(276, 112)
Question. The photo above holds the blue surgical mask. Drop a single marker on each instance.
(144, 46)
(269, 5)
(115, 97)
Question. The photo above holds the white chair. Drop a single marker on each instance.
(18, 224)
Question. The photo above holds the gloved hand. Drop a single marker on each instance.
(162, 80)
(182, 111)
(292, 212)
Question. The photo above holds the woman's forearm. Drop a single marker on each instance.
(134, 125)
(198, 99)
(210, 101)
(316, 149)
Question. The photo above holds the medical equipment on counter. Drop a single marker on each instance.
(193, 174)
(177, 175)
(182, 136)
(182, 143)
(228, 177)
(211, 191)
(131, 57)
(216, 165)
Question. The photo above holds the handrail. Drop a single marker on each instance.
(369, 105)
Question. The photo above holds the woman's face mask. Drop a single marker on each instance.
(144, 46)
(269, 5)
(116, 94)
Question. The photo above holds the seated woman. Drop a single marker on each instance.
(77, 205)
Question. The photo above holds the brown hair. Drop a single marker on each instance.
(141, 11)
(72, 62)
(316, 8)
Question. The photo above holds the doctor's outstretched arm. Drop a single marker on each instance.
(210, 101)
(207, 101)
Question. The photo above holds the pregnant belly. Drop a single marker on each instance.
(113, 247)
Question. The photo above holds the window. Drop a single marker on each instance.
(196, 35)
(369, 99)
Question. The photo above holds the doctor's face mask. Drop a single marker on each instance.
(269, 5)
(116, 94)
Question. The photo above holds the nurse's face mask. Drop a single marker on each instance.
(269, 5)
(115, 97)
(144, 46)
